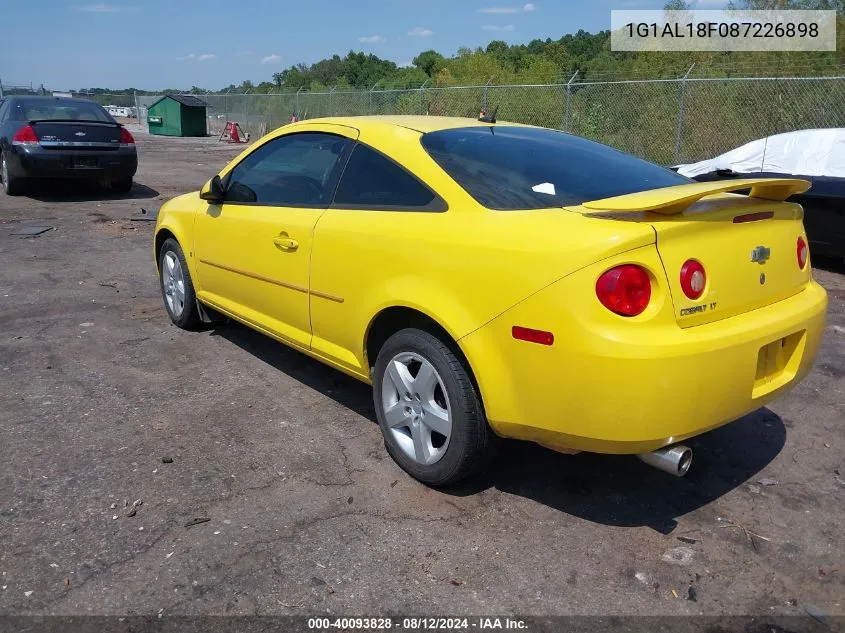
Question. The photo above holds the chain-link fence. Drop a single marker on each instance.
(667, 121)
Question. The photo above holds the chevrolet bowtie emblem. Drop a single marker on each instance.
(80, 134)
(760, 254)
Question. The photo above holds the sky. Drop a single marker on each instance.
(156, 44)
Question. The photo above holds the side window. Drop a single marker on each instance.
(297, 170)
(373, 181)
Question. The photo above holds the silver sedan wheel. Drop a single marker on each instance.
(416, 407)
(173, 282)
(4, 173)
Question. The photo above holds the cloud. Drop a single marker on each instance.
(526, 8)
(371, 39)
(102, 7)
(271, 59)
(496, 27)
(419, 31)
(205, 57)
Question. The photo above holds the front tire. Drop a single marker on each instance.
(12, 185)
(177, 289)
(429, 411)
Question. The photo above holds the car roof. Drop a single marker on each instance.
(49, 98)
(422, 124)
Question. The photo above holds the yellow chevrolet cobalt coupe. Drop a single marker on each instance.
(497, 280)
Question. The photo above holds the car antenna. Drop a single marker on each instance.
(488, 119)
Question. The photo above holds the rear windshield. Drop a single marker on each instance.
(508, 167)
(55, 109)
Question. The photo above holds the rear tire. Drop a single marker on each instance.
(177, 289)
(12, 185)
(429, 411)
(121, 185)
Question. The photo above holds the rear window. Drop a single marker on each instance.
(509, 168)
(59, 109)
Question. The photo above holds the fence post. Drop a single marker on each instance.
(680, 129)
(246, 110)
(137, 109)
(1, 88)
(297, 111)
(422, 97)
(331, 91)
(370, 99)
(484, 100)
(567, 111)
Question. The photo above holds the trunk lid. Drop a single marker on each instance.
(747, 245)
(77, 135)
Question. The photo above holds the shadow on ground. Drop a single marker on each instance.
(610, 490)
(81, 191)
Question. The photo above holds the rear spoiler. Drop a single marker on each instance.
(672, 200)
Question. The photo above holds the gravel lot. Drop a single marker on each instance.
(305, 511)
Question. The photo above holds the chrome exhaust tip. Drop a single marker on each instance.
(674, 460)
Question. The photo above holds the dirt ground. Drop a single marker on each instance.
(305, 512)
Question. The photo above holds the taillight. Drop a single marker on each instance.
(803, 253)
(693, 279)
(126, 137)
(25, 136)
(625, 290)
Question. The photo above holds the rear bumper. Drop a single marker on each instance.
(612, 385)
(37, 162)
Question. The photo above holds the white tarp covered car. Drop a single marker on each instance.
(817, 155)
(805, 153)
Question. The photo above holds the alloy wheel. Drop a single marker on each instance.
(173, 282)
(416, 407)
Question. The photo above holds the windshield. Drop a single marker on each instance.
(509, 167)
(60, 109)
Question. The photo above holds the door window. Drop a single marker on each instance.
(296, 170)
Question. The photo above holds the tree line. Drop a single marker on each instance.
(544, 61)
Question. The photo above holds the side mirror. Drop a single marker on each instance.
(212, 191)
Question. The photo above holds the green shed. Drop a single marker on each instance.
(177, 115)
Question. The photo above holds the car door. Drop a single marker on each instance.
(369, 237)
(253, 250)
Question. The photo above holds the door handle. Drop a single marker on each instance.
(286, 243)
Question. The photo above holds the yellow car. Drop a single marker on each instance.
(498, 280)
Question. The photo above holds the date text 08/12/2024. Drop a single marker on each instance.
(417, 623)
